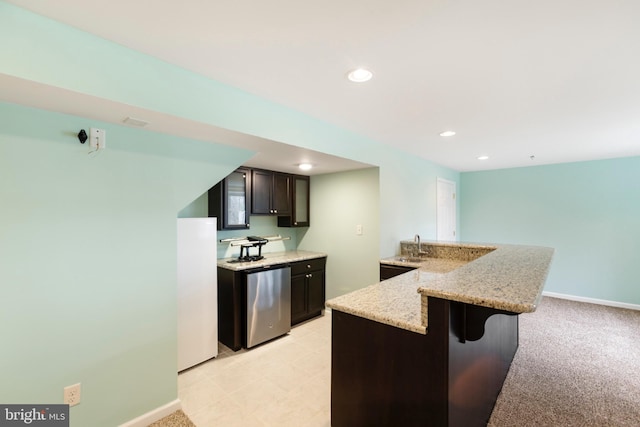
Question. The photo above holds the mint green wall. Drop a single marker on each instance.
(36, 48)
(408, 199)
(141, 179)
(45, 51)
(588, 211)
(88, 250)
(339, 202)
(196, 209)
(260, 226)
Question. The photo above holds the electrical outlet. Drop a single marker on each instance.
(359, 230)
(72, 394)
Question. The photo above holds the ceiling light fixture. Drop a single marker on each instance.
(360, 75)
(305, 166)
(447, 133)
(483, 157)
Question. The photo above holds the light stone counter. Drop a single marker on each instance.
(504, 277)
(270, 259)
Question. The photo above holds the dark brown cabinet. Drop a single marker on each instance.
(230, 312)
(307, 299)
(270, 193)
(299, 204)
(387, 271)
(307, 289)
(463, 361)
(260, 192)
(229, 200)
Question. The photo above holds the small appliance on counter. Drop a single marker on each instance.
(248, 242)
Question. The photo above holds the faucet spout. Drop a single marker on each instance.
(416, 239)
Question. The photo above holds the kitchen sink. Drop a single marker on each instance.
(410, 259)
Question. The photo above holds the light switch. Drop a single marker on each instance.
(359, 229)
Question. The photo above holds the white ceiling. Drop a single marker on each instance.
(554, 79)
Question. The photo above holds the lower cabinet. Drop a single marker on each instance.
(307, 289)
(231, 315)
(387, 271)
(307, 299)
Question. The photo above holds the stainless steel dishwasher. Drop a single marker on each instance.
(268, 303)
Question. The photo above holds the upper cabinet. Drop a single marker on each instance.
(270, 193)
(299, 204)
(249, 191)
(229, 200)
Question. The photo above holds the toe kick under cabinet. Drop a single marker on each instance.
(307, 299)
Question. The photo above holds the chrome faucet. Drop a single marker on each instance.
(416, 239)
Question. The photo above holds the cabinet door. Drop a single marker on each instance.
(229, 201)
(299, 216)
(281, 194)
(389, 271)
(315, 291)
(261, 184)
(301, 201)
(298, 298)
(236, 202)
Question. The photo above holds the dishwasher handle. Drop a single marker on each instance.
(265, 268)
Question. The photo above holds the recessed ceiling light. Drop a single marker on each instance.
(305, 166)
(447, 133)
(360, 75)
(483, 157)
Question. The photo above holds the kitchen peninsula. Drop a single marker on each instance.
(432, 346)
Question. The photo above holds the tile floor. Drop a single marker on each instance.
(286, 382)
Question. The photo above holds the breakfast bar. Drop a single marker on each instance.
(432, 346)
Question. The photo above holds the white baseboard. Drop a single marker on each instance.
(152, 416)
(593, 300)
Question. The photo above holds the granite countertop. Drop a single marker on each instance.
(434, 265)
(506, 277)
(270, 259)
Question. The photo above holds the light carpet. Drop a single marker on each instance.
(577, 364)
(176, 419)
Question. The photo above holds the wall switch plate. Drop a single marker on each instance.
(359, 229)
(72, 394)
(97, 138)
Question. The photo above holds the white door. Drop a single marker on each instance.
(446, 210)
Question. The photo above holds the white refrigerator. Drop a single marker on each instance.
(197, 291)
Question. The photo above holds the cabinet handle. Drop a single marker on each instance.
(310, 274)
(275, 211)
(308, 265)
